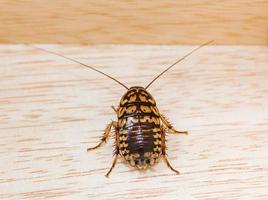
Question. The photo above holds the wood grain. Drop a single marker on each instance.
(136, 22)
(51, 110)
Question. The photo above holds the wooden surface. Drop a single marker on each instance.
(51, 110)
(136, 22)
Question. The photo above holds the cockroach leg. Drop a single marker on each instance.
(169, 165)
(164, 154)
(105, 135)
(170, 128)
(114, 162)
(116, 152)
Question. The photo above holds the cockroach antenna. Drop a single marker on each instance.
(78, 62)
(175, 63)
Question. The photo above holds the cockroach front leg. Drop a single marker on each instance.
(170, 127)
(105, 135)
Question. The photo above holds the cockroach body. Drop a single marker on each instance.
(140, 129)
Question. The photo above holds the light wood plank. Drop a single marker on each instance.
(51, 110)
(136, 22)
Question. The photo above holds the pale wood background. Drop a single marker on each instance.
(51, 110)
(139, 22)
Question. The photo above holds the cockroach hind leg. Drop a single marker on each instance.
(114, 162)
(169, 165)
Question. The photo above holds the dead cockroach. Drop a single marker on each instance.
(140, 128)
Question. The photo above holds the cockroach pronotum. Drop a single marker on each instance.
(140, 128)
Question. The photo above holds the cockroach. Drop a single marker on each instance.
(140, 129)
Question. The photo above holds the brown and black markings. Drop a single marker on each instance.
(140, 129)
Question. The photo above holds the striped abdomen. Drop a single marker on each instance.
(139, 128)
